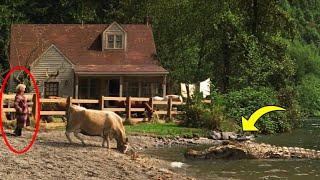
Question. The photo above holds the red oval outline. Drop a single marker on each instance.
(4, 136)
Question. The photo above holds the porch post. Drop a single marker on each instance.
(76, 91)
(121, 86)
(139, 88)
(164, 86)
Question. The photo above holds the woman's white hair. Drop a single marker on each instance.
(20, 87)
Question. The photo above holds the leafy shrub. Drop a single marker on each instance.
(199, 114)
(287, 97)
(210, 116)
(307, 59)
(246, 101)
(309, 95)
(225, 111)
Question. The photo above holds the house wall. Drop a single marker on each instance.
(12, 83)
(52, 61)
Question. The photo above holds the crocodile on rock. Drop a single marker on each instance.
(251, 150)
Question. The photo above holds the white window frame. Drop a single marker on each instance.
(49, 89)
(114, 40)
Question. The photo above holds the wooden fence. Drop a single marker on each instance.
(149, 105)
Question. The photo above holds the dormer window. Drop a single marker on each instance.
(114, 37)
(119, 41)
(115, 41)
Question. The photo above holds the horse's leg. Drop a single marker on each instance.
(76, 134)
(68, 136)
(108, 141)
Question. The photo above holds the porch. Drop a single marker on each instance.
(93, 87)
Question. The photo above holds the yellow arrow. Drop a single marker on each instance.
(248, 125)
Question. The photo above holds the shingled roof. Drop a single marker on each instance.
(81, 44)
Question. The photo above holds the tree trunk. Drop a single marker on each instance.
(254, 25)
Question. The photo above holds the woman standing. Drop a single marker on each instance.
(22, 111)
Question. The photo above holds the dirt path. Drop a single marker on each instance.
(52, 157)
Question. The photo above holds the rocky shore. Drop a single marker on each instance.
(53, 157)
(143, 142)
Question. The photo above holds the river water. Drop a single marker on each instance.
(307, 137)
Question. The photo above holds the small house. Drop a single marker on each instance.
(89, 60)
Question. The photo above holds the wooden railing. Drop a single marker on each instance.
(149, 105)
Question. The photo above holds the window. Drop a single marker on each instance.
(119, 41)
(157, 89)
(83, 88)
(151, 89)
(89, 88)
(51, 89)
(115, 41)
(146, 90)
(95, 88)
(111, 41)
(131, 89)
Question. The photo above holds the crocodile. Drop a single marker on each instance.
(251, 150)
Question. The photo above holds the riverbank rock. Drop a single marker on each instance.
(216, 135)
(228, 135)
(176, 164)
(144, 142)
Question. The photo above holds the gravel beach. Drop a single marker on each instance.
(52, 157)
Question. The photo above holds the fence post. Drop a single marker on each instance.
(101, 102)
(169, 115)
(150, 113)
(128, 108)
(69, 103)
(35, 106)
(8, 102)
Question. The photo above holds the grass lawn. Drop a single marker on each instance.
(151, 129)
(164, 130)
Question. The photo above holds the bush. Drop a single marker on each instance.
(309, 95)
(210, 116)
(197, 115)
(246, 101)
(307, 59)
(287, 97)
(226, 110)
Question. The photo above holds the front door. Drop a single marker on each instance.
(114, 87)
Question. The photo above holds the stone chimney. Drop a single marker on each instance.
(148, 20)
